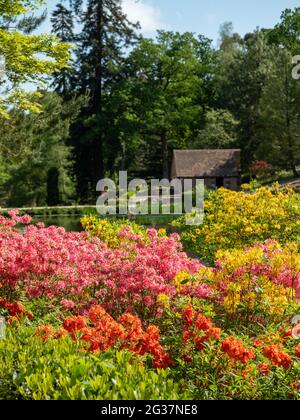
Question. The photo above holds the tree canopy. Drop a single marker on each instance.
(134, 99)
(28, 58)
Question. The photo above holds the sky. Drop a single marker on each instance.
(200, 16)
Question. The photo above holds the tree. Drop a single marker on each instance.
(63, 27)
(286, 32)
(280, 114)
(241, 75)
(28, 58)
(228, 40)
(32, 148)
(106, 35)
(166, 92)
(220, 131)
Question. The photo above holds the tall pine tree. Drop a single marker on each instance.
(105, 36)
(63, 27)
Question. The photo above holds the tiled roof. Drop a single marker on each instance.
(206, 163)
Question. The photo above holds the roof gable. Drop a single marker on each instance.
(206, 163)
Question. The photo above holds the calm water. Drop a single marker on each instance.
(72, 223)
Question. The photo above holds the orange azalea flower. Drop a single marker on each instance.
(107, 332)
(188, 315)
(61, 332)
(187, 335)
(214, 333)
(15, 309)
(44, 332)
(277, 357)
(75, 324)
(236, 351)
(203, 323)
(96, 313)
(13, 319)
(264, 368)
(199, 342)
(202, 330)
(257, 343)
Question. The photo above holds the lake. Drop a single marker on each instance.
(72, 222)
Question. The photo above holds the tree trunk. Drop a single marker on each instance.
(165, 153)
(97, 98)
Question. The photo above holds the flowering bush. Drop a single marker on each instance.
(101, 332)
(259, 285)
(15, 310)
(215, 364)
(199, 353)
(78, 270)
(238, 219)
(120, 294)
(261, 169)
(110, 232)
(33, 369)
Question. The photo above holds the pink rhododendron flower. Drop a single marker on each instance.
(52, 263)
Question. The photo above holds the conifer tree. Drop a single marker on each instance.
(63, 27)
(106, 35)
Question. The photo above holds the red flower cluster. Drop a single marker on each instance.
(236, 351)
(75, 324)
(188, 315)
(297, 351)
(61, 332)
(257, 343)
(277, 357)
(261, 168)
(200, 329)
(44, 332)
(207, 331)
(15, 310)
(264, 369)
(105, 332)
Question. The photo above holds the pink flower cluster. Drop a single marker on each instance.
(14, 219)
(80, 271)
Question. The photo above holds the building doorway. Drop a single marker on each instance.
(219, 182)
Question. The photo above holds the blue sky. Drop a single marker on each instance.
(201, 16)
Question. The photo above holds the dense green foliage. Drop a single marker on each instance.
(32, 147)
(28, 58)
(143, 97)
(33, 370)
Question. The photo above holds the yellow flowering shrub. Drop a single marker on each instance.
(108, 230)
(237, 219)
(261, 282)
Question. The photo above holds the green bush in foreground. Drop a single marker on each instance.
(31, 369)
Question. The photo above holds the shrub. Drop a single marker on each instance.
(214, 364)
(109, 230)
(61, 266)
(238, 219)
(100, 332)
(249, 288)
(32, 369)
(261, 169)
